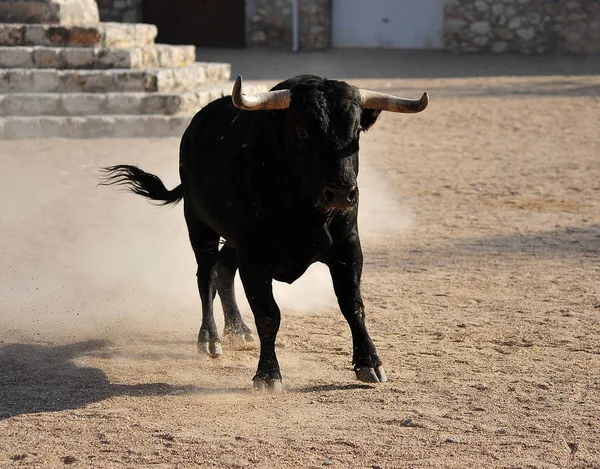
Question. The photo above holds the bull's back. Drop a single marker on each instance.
(211, 163)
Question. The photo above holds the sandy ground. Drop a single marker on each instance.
(481, 228)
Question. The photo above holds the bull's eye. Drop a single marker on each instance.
(301, 133)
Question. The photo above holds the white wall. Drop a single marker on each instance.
(394, 24)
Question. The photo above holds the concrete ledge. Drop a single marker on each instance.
(96, 58)
(20, 80)
(102, 35)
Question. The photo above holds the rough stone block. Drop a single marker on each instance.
(217, 72)
(526, 33)
(161, 104)
(30, 12)
(11, 34)
(144, 34)
(81, 104)
(165, 79)
(77, 58)
(175, 56)
(113, 58)
(44, 81)
(92, 82)
(134, 81)
(480, 27)
(499, 47)
(514, 23)
(31, 104)
(481, 5)
(121, 36)
(498, 9)
(146, 57)
(123, 103)
(534, 17)
(33, 34)
(80, 37)
(17, 57)
(46, 58)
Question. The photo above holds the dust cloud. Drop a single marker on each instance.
(79, 261)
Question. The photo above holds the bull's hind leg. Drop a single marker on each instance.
(205, 243)
(235, 329)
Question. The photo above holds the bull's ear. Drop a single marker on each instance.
(369, 116)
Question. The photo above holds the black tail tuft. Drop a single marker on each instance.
(141, 183)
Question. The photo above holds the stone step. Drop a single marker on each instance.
(114, 126)
(49, 11)
(116, 80)
(105, 35)
(78, 104)
(96, 58)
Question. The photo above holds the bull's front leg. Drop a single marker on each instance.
(258, 285)
(346, 270)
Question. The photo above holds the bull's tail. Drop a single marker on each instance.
(141, 183)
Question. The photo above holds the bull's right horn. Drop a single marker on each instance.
(269, 101)
(388, 102)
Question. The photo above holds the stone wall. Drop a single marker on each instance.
(499, 26)
(315, 24)
(64, 12)
(121, 11)
(523, 26)
(270, 24)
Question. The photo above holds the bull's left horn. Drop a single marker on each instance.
(269, 101)
(387, 102)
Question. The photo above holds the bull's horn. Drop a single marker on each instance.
(268, 101)
(387, 102)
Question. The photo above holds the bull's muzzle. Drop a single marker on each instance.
(339, 197)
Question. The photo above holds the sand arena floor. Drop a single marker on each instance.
(481, 230)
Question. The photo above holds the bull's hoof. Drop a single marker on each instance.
(240, 340)
(268, 385)
(371, 375)
(211, 348)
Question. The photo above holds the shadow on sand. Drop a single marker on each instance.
(41, 378)
(581, 244)
(333, 387)
(564, 242)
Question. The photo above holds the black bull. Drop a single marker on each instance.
(274, 175)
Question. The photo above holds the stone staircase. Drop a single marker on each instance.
(61, 76)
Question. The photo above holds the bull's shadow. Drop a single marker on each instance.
(40, 378)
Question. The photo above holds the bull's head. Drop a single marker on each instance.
(322, 128)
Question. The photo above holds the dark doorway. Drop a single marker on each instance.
(204, 23)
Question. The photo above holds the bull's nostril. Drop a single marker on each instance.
(352, 196)
(329, 195)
